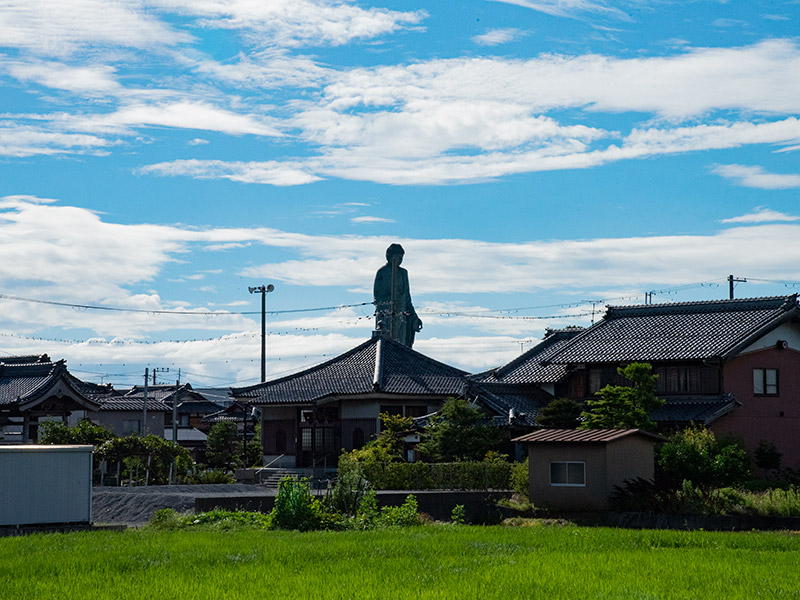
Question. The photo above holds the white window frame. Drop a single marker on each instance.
(568, 463)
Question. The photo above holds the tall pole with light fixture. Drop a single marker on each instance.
(263, 290)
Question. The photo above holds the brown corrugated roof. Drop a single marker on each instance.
(600, 436)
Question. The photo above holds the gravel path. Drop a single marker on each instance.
(136, 505)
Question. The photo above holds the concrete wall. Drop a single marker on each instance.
(45, 484)
(772, 418)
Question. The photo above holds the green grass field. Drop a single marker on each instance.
(426, 562)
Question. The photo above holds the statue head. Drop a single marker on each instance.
(396, 252)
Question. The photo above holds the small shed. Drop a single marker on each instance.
(576, 469)
(45, 485)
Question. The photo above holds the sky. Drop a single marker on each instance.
(537, 159)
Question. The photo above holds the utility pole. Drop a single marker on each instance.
(144, 403)
(731, 281)
(158, 370)
(263, 291)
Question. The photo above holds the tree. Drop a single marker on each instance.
(223, 447)
(388, 446)
(84, 432)
(458, 433)
(625, 406)
(561, 413)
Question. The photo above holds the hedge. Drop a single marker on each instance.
(438, 476)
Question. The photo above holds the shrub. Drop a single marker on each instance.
(405, 515)
(295, 507)
(210, 476)
(349, 489)
(520, 477)
(697, 455)
(458, 515)
(217, 519)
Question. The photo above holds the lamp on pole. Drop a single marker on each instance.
(263, 290)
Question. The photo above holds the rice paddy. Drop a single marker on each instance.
(426, 562)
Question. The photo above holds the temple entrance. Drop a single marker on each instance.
(320, 437)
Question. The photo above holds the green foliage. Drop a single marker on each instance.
(295, 507)
(216, 520)
(432, 476)
(149, 453)
(779, 503)
(561, 413)
(349, 489)
(424, 564)
(457, 433)
(767, 457)
(697, 455)
(210, 476)
(84, 432)
(458, 515)
(625, 407)
(223, 445)
(405, 515)
(520, 477)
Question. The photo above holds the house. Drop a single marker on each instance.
(34, 388)
(733, 365)
(309, 417)
(578, 469)
(528, 383)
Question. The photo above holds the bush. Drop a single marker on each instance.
(349, 489)
(405, 515)
(217, 519)
(295, 507)
(697, 455)
(520, 478)
(210, 476)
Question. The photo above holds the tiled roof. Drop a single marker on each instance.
(23, 382)
(134, 404)
(583, 436)
(379, 365)
(680, 331)
(528, 367)
(517, 404)
(698, 409)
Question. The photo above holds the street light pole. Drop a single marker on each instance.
(263, 290)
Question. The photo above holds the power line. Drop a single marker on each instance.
(204, 313)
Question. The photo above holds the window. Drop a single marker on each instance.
(130, 426)
(765, 382)
(568, 473)
(358, 438)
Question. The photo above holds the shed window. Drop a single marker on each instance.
(568, 473)
(765, 382)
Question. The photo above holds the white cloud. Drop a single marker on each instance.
(182, 115)
(761, 214)
(197, 142)
(296, 22)
(272, 172)
(23, 140)
(495, 37)
(757, 177)
(58, 28)
(94, 79)
(367, 219)
(567, 8)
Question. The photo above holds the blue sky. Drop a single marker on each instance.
(538, 159)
